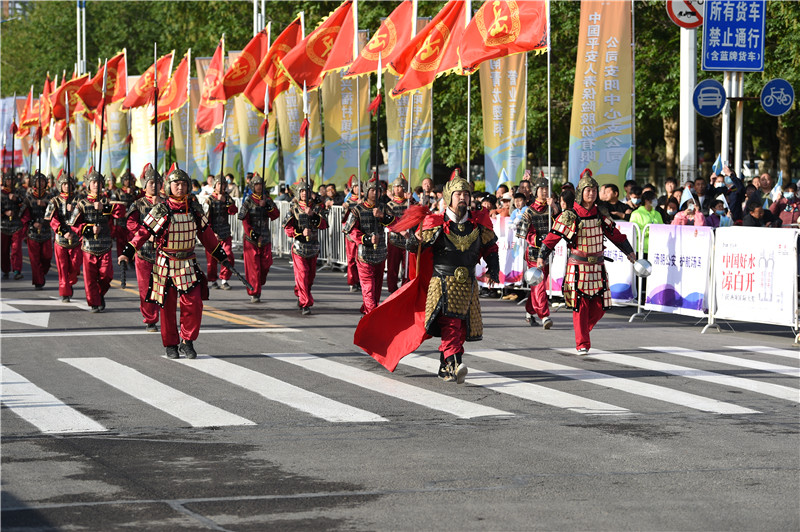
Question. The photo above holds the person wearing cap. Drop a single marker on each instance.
(145, 255)
(302, 224)
(126, 194)
(399, 244)
(350, 247)
(39, 236)
(67, 249)
(533, 226)
(219, 207)
(585, 286)
(366, 226)
(93, 218)
(174, 225)
(11, 228)
(258, 211)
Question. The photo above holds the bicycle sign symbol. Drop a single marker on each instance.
(777, 97)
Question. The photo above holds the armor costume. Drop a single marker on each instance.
(145, 255)
(399, 245)
(11, 227)
(39, 235)
(174, 226)
(126, 195)
(351, 252)
(219, 208)
(67, 250)
(533, 227)
(305, 248)
(585, 286)
(362, 225)
(92, 218)
(257, 213)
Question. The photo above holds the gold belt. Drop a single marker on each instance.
(461, 275)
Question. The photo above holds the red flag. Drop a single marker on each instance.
(342, 53)
(92, 93)
(174, 96)
(211, 113)
(390, 39)
(45, 105)
(241, 71)
(269, 74)
(68, 90)
(432, 52)
(60, 130)
(29, 115)
(142, 91)
(503, 28)
(306, 62)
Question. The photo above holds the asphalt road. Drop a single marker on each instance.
(281, 423)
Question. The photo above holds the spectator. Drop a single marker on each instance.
(671, 210)
(334, 197)
(208, 187)
(718, 216)
(634, 200)
(765, 188)
(520, 206)
(755, 214)
(629, 184)
(602, 194)
(526, 190)
(247, 188)
(489, 203)
(701, 193)
(670, 184)
(567, 199)
(646, 214)
(690, 215)
(504, 210)
(734, 192)
(787, 207)
(501, 189)
(231, 188)
(283, 194)
(195, 187)
(617, 209)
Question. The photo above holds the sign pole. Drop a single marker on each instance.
(688, 118)
(726, 121)
(738, 132)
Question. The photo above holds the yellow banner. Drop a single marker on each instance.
(413, 158)
(347, 143)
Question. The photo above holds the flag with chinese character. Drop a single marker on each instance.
(241, 71)
(210, 113)
(600, 135)
(504, 102)
(390, 39)
(432, 52)
(142, 91)
(174, 94)
(344, 48)
(269, 74)
(68, 92)
(501, 28)
(91, 94)
(45, 105)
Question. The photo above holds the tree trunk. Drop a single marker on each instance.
(784, 135)
(671, 140)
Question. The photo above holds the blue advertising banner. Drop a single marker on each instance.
(733, 35)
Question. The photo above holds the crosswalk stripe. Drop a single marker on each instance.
(764, 388)
(139, 386)
(388, 386)
(281, 392)
(42, 409)
(795, 355)
(729, 360)
(644, 389)
(523, 390)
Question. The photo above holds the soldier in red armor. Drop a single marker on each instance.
(533, 227)
(396, 251)
(68, 253)
(303, 223)
(92, 218)
(146, 254)
(126, 195)
(175, 225)
(585, 286)
(350, 247)
(366, 226)
(258, 210)
(11, 228)
(219, 207)
(39, 235)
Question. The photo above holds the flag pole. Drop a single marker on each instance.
(410, 111)
(266, 116)
(102, 118)
(224, 135)
(66, 101)
(305, 138)
(188, 140)
(14, 132)
(155, 105)
(467, 14)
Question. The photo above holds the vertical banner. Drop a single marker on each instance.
(504, 104)
(251, 144)
(115, 151)
(600, 136)
(198, 154)
(397, 131)
(233, 157)
(347, 143)
(681, 267)
(289, 112)
(80, 144)
(142, 146)
(755, 275)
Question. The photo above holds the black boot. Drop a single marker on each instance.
(187, 349)
(172, 351)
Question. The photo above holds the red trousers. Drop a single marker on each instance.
(454, 334)
(305, 270)
(68, 264)
(351, 250)
(590, 310)
(98, 271)
(537, 303)
(371, 276)
(11, 251)
(191, 316)
(395, 257)
(144, 271)
(224, 272)
(257, 261)
(41, 255)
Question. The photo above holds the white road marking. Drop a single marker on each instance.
(281, 392)
(644, 389)
(794, 355)
(142, 332)
(165, 398)
(729, 360)
(42, 409)
(752, 385)
(523, 390)
(388, 386)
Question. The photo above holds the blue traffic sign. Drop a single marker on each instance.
(733, 35)
(709, 97)
(777, 97)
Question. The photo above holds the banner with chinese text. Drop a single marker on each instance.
(289, 113)
(397, 131)
(504, 102)
(601, 129)
(346, 141)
